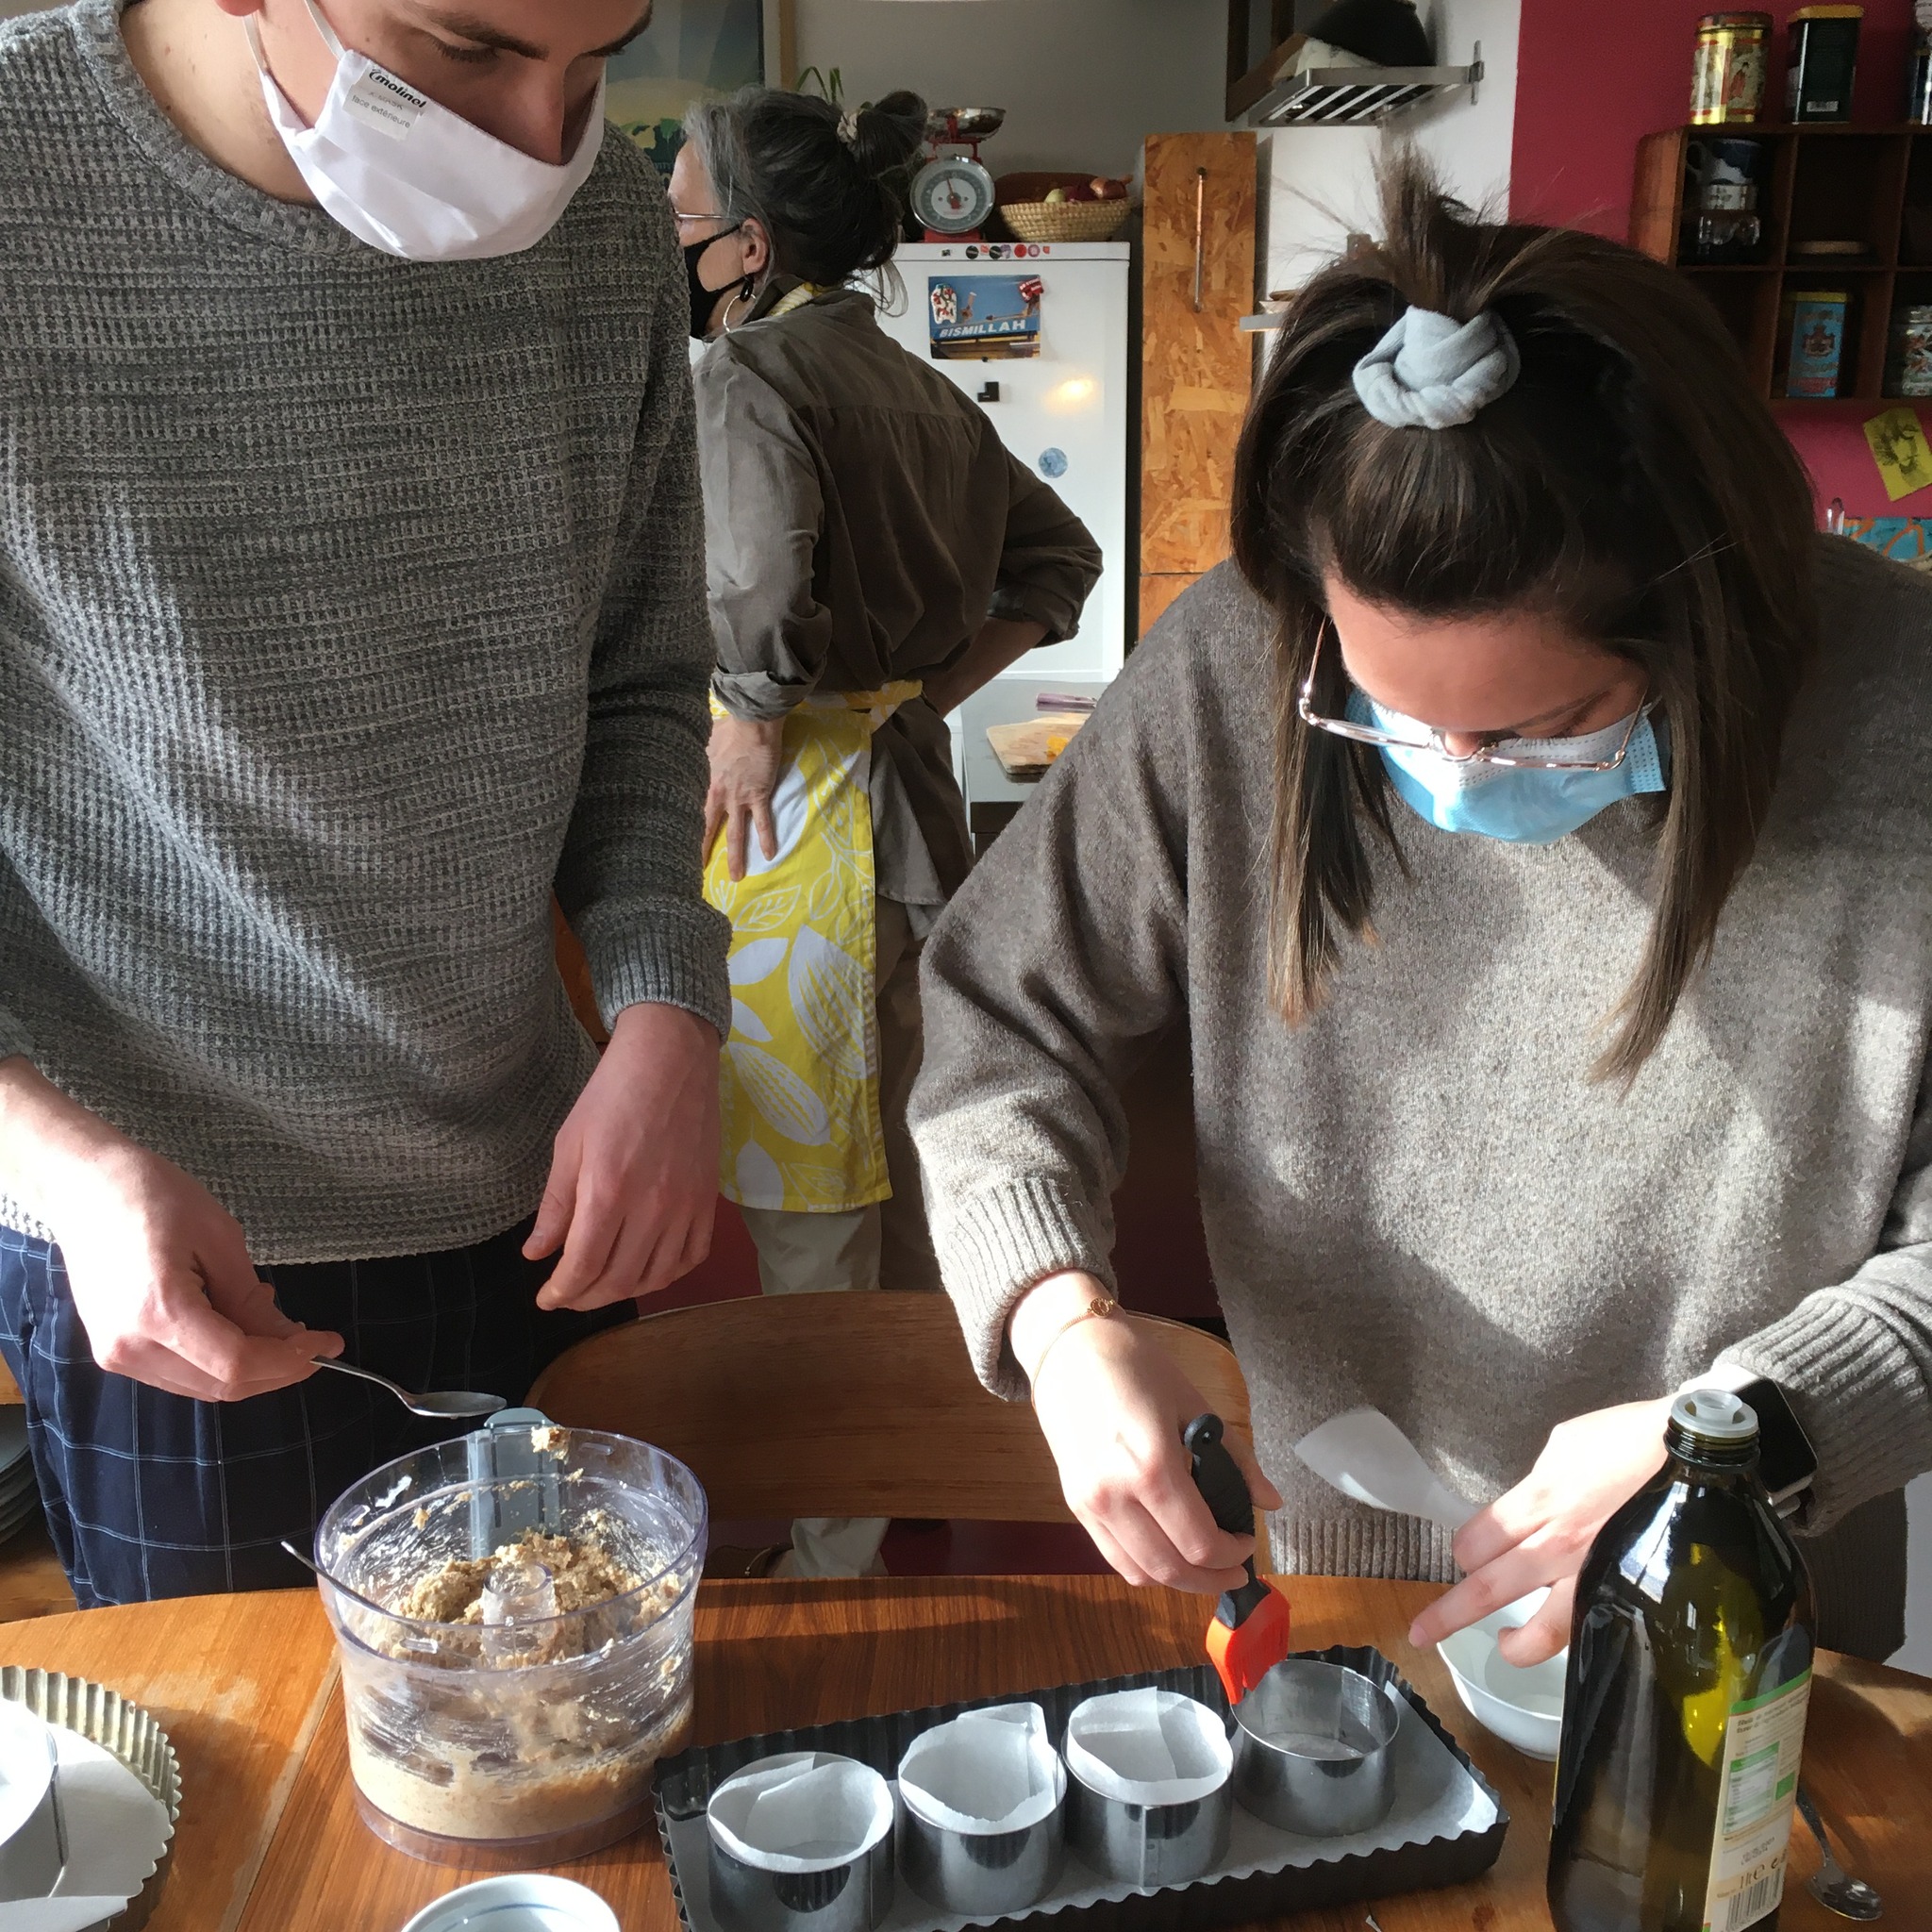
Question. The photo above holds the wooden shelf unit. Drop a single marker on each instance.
(1825, 181)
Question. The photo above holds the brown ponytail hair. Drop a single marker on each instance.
(1630, 484)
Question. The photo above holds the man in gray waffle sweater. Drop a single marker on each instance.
(351, 601)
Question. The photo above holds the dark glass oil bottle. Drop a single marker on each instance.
(1684, 1708)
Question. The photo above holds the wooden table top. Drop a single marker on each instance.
(270, 1841)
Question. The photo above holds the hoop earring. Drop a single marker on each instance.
(744, 293)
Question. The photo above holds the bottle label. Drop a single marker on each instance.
(1757, 1781)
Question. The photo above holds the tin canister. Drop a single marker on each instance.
(1823, 58)
(1908, 360)
(1814, 336)
(1728, 77)
(1918, 77)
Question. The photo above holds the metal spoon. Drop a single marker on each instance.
(441, 1403)
(316, 1570)
(1850, 1898)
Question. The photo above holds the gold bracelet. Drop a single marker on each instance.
(1098, 1309)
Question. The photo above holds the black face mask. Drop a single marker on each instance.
(703, 300)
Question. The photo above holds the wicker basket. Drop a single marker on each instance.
(1066, 221)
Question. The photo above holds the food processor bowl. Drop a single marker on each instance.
(524, 1734)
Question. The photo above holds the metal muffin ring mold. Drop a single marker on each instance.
(1312, 1749)
(981, 1811)
(802, 1842)
(1151, 1798)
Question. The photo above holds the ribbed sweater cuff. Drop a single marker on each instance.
(14, 1038)
(664, 954)
(16, 1217)
(1856, 1392)
(995, 1245)
(1366, 1543)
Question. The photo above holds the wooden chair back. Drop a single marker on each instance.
(837, 1405)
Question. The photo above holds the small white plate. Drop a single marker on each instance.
(1523, 1707)
(517, 1902)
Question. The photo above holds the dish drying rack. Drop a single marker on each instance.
(1359, 96)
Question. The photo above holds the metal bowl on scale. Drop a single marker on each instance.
(964, 124)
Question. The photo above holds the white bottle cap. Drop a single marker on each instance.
(1714, 1415)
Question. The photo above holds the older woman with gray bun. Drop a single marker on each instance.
(1533, 827)
(874, 556)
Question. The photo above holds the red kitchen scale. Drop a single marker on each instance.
(953, 195)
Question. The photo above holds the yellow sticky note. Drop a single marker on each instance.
(1900, 450)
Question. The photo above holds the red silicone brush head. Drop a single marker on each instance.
(1247, 1653)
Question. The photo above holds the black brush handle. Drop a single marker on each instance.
(1225, 1489)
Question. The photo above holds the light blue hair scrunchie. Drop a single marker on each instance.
(1431, 371)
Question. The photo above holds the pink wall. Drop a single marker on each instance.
(1591, 79)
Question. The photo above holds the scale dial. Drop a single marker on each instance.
(953, 196)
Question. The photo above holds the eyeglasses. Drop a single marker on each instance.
(1483, 754)
(677, 214)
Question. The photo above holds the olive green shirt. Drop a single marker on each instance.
(863, 521)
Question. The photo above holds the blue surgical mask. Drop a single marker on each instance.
(1524, 807)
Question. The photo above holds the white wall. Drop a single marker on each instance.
(1917, 1654)
(1082, 80)
(1319, 180)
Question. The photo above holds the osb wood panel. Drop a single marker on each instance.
(1196, 365)
(1655, 194)
(1157, 593)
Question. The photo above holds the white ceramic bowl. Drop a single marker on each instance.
(518, 1902)
(1523, 1707)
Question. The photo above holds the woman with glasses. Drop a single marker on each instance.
(1533, 827)
(874, 556)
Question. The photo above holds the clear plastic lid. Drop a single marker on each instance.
(1715, 1415)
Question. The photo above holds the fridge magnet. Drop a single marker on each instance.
(984, 318)
(1899, 449)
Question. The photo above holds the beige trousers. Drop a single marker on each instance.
(860, 1248)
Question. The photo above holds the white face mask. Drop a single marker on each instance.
(407, 177)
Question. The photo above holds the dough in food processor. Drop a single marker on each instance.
(582, 1572)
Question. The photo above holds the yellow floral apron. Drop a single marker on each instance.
(799, 1085)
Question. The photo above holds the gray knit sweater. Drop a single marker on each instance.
(1418, 1199)
(346, 604)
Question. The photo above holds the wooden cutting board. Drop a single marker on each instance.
(1026, 750)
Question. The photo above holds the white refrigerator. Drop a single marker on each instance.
(1037, 333)
(1061, 409)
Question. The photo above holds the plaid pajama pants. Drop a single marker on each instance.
(150, 1494)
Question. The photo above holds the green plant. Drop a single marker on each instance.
(828, 83)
